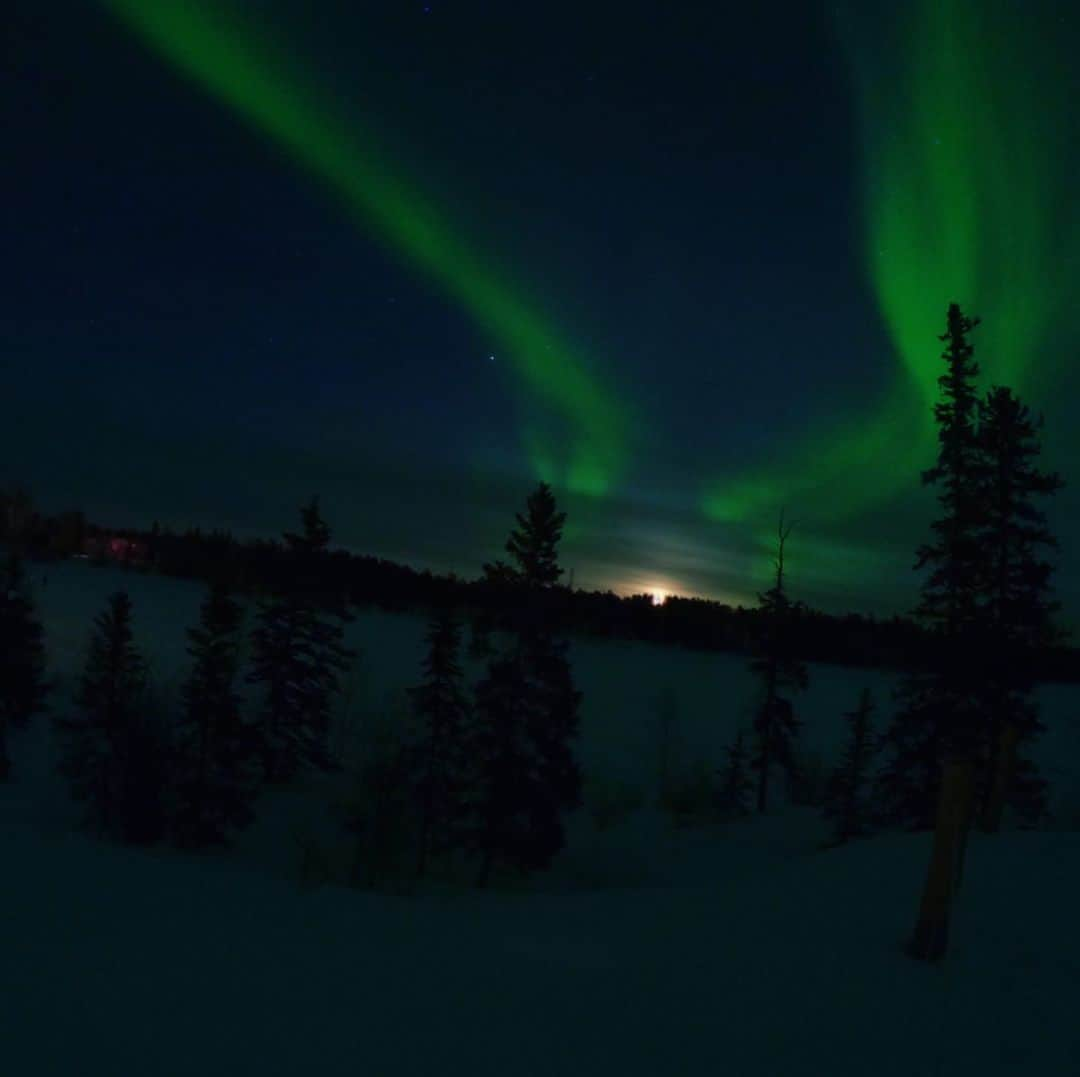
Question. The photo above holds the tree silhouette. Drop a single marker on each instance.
(22, 657)
(214, 779)
(781, 671)
(438, 758)
(533, 544)
(939, 713)
(736, 785)
(526, 714)
(298, 654)
(114, 753)
(844, 803)
(1017, 610)
(935, 736)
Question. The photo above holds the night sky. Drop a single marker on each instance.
(685, 261)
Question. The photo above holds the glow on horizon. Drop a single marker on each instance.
(660, 588)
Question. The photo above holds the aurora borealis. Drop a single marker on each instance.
(227, 60)
(688, 267)
(957, 115)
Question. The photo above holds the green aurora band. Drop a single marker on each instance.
(218, 52)
(956, 108)
(957, 123)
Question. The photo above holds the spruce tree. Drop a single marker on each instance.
(298, 654)
(736, 785)
(22, 657)
(533, 544)
(939, 712)
(781, 672)
(937, 737)
(114, 752)
(438, 760)
(214, 778)
(949, 594)
(845, 801)
(502, 794)
(526, 713)
(1017, 610)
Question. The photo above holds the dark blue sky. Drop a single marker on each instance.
(197, 332)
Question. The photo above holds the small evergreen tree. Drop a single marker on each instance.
(533, 544)
(906, 784)
(526, 714)
(297, 655)
(22, 657)
(439, 764)
(780, 671)
(736, 785)
(845, 802)
(115, 753)
(503, 797)
(214, 778)
(552, 729)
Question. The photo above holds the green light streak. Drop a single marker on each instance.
(221, 55)
(836, 472)
(960, 188)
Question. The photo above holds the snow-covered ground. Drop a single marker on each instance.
(646, 949)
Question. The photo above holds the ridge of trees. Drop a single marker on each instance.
(257, 566)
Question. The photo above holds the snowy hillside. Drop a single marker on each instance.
(647, 948)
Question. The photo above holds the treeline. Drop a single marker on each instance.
(259, 566)
(489, 771)
(956, 752)
(482, 773)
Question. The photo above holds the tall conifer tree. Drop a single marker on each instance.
(526, 712)
(937, 737)
(298, 655)
(438, 760)
(939, 711)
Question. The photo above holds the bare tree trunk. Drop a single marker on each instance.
(931, 936)
(1001, 779)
